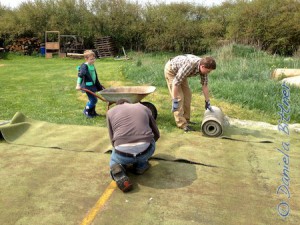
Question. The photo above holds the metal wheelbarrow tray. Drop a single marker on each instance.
(133, 94)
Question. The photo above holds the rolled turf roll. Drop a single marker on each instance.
(294, 81)
(281, 73)
(213, 122)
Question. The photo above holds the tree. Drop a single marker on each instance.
(120, 20)
(175, 27)
(271, 25)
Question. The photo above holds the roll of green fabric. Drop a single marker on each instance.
(213, 122)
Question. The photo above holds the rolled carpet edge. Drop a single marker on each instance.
(213, 122)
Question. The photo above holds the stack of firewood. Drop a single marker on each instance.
(24, 46)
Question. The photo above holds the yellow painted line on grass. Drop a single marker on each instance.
(99, 204)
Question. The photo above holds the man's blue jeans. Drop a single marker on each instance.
(140, 162)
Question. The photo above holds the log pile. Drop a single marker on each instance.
(24, 46)
(71, 44)
(105, 47)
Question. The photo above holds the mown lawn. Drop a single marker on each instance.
(44, 89)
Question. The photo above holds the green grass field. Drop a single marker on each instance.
(44, 89)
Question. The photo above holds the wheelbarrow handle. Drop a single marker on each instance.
(92, 93)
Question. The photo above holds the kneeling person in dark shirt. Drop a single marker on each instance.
(133, 133)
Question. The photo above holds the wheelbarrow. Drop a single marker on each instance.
(133, 94)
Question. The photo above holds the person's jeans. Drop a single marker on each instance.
(92, 100)
(140, 161)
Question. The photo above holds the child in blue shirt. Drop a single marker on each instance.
(88, 79)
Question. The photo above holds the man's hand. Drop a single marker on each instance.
(208, 106)
(175, 104)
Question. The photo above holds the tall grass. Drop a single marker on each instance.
(146, 68)
(242, 80)
(243, 77)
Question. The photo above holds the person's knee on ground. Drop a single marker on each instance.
(141, 167)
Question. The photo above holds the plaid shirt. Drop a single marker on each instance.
(187, 66)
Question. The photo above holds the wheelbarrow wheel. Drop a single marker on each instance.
(152, 108)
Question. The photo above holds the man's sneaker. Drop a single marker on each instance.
(188, 129)
(142, 170)
(118, 174)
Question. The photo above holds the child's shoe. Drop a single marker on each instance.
(93, 112)
(87, 113)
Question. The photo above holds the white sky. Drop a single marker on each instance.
(15, 3)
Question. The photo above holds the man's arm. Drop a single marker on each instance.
(206, 96)
(205, 91)
(153, 126)
(182, 74)
(174, 90)
(110, 131)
